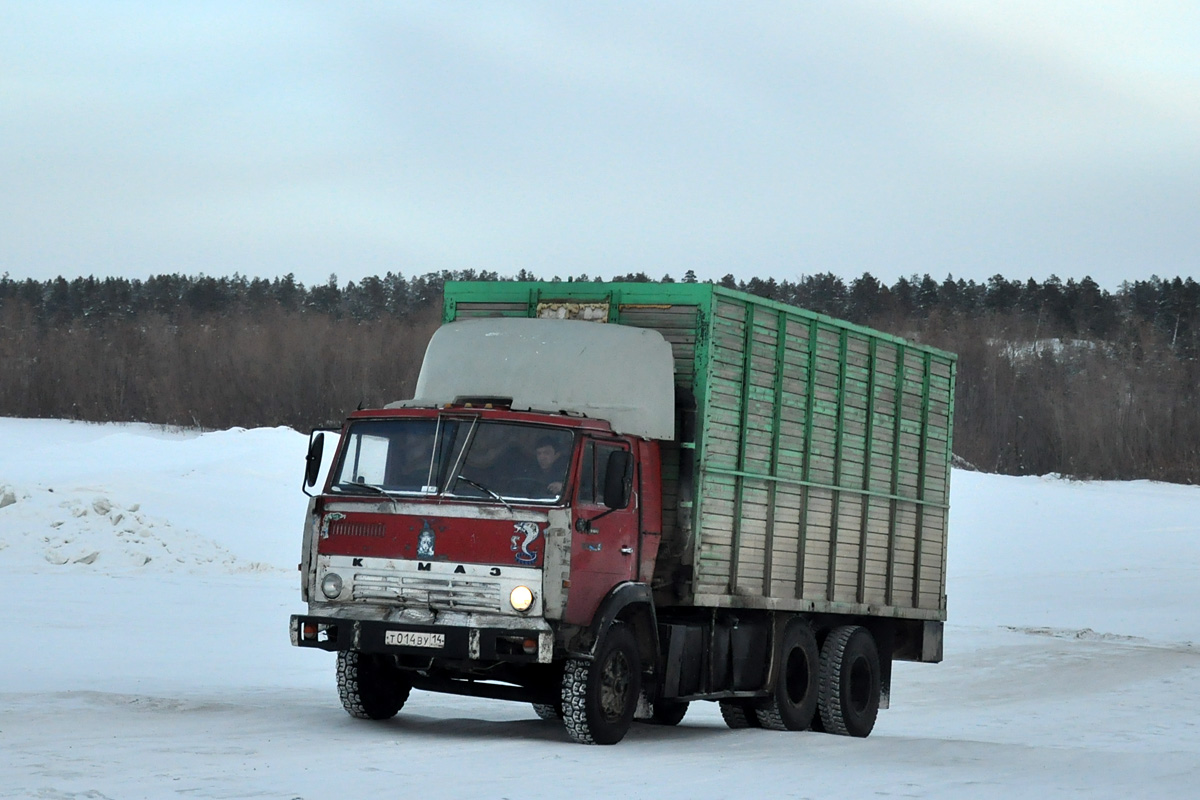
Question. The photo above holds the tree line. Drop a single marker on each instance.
(1054, 376)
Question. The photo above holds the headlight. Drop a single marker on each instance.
(331, 585)
(521, 598)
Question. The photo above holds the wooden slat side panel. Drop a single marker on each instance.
(817, 531)
(678, 325)
(753, 539)
(860, 430)
(786, 541)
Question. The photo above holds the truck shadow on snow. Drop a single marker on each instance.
(532, 730)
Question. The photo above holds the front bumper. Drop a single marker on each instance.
(458, 643)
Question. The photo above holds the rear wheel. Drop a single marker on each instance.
(850, 681)
(739, 714)
(669, 712)
(370, 686)
(600, 696)
(794, 703)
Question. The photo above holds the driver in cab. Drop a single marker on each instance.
(550, 467)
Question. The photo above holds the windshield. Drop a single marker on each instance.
(455, 456)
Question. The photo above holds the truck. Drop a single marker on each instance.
(610, 500)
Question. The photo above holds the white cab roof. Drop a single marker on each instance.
(616, 373)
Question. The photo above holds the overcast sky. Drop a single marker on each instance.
(772, 139)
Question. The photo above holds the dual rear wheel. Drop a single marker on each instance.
(835, 689)
(792, 706)
(850, 681)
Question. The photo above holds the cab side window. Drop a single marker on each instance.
(591, 472)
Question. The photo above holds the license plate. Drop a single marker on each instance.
(432, 641)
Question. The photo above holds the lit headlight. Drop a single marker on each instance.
(521, 598)
(331, 586)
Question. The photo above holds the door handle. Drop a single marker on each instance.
(627, 550)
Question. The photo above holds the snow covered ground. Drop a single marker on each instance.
(149, 574)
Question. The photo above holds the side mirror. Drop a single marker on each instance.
(312, 462)
(617, 481)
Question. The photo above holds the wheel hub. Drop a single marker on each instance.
(614, 686)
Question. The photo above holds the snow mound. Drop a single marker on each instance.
(114, 498)
(42, 529)
(1082, 634)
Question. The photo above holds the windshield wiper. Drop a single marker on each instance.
(359, 488)
(483, 488)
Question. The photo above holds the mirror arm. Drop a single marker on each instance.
(582, 525)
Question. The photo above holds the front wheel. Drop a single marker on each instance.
(370, 686)
(599, 697)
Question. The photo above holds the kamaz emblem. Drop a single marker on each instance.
(425, 541)
(526, 534)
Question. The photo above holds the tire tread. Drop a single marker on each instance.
(578, 693)
(575, 674)
(363, 690)
(739, 714)
(551, 712)
(830, 697)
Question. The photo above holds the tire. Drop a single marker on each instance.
(669, 712)
(793, 704)
(600, 696)
(370, 686)
(739, 714)
(850, 681)
(551, 712)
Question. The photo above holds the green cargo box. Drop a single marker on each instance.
(821, 448)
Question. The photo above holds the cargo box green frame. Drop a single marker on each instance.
(822, 454)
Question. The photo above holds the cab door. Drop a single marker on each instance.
(604, 545)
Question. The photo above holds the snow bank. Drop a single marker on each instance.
(1117, 558)
(109, 499)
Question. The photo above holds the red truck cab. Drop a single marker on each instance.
(420, 500)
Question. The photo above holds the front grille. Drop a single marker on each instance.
(347, 528)
(427, 592)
